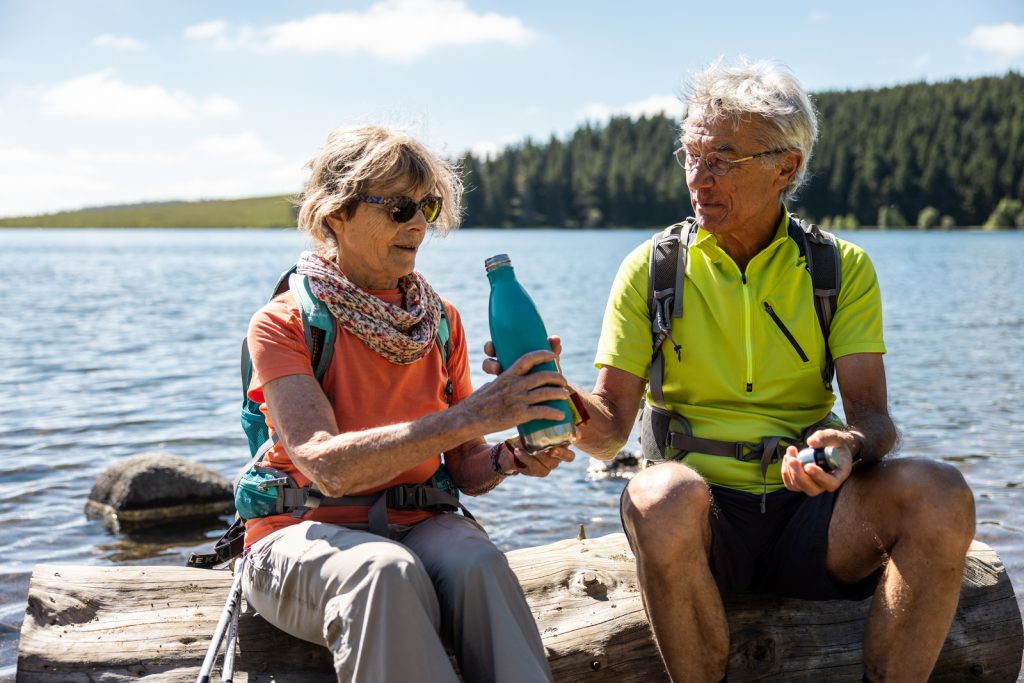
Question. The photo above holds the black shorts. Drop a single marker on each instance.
(780, 552)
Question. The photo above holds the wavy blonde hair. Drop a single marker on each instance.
(363, 159)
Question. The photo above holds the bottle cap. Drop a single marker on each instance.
(497, 261)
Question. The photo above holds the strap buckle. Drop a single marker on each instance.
(752, 450)
(406, 497)
(311, 501)
(277, 481)
(313, 498)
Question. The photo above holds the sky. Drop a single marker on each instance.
(121, 101)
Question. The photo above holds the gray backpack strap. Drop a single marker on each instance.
(821, 252)
(666, 276)
(398, 497)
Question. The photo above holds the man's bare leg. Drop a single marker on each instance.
(665, 512)
(918, 517)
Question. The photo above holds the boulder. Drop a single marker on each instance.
(157, 488)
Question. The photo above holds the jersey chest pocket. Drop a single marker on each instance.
(793, 334)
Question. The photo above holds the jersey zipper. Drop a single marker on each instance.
(747, 340)
(785, 330)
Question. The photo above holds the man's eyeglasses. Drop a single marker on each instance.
(717, 164)
(402, 209)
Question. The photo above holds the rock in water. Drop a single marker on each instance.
(623, 466)
(157, 488)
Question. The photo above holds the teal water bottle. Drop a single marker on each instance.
(517, 329)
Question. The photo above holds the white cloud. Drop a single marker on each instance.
(1005, 40)
(118, 42)
(222, 35)
(207, 30)
(238, 166)
(656, 104)
(219, 106)
(100, 97)
(395, 30)
(245, 146)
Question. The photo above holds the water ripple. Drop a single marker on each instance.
(147, 360)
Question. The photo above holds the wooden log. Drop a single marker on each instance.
(154, 623)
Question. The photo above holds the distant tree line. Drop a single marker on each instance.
(927, 155)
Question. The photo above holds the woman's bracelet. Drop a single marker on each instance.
(496, 464)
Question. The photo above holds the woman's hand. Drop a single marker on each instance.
(537, 464)
(517, 395)
(810, 478)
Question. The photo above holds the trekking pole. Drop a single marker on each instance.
(227, 667)
(218, 635)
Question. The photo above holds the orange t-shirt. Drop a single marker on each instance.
(365, 390)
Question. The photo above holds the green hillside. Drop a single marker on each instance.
(258, 212)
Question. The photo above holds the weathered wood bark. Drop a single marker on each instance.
(154, 623)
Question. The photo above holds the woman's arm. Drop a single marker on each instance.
(341, 463)
(470, 463)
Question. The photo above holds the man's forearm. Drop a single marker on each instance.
(602, 435)
(873, 436)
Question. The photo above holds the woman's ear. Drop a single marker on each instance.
(335, 224)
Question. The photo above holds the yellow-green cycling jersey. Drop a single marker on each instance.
(752, 351)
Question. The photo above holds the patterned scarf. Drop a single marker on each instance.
(400, 334)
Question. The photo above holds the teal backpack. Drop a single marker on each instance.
(261, 491)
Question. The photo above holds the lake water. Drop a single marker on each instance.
(122, 342)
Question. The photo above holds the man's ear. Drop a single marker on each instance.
(789, 163)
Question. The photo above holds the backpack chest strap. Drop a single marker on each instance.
(768, 450)
(400, 497)
(300, 501)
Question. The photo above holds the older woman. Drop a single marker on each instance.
(387, 409)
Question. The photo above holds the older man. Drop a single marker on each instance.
(741, 381)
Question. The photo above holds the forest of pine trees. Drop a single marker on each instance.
(928, 155)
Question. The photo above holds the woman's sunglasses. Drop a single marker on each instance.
(403, 209)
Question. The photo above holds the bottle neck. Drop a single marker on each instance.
(501, 273)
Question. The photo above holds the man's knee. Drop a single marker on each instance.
(929, 497)
(666, 509)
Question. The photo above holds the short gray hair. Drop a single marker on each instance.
(765, 90)
(355, 160)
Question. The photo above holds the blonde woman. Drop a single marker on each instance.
(389, 406)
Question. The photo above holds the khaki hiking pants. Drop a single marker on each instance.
(387, 608)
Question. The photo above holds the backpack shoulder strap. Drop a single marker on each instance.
(318, 324)
(444, 345)
(444, 337)
(319, 330)
(821, 252)
(666, 276)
